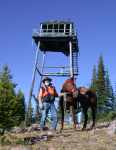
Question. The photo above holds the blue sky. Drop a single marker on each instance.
(96, 26)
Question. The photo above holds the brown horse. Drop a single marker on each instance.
(88, 99)
(72, 97)
(67, 100)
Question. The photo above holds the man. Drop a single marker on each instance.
(46, 99)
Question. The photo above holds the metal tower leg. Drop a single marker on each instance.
(71, 59)
(42, 69)
(28, 114)
(41, 77)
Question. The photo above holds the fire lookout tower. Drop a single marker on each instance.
(55, 36)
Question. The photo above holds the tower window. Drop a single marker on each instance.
(44, 27)
(61, 28)
(56, 27)
(50, 27)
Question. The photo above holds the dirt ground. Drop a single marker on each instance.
(98, 139)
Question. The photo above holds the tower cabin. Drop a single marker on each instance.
(54, 36)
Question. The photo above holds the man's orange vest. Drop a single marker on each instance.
(50, 90)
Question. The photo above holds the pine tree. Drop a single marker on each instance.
(109, 93)
(37, 114)
(20, 109)
(93, 85)
(101, 89)
(10, 102)
(115, 98)
(29, 115)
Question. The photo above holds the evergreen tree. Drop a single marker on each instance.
(10, 102)
(20, 108)
(101, 89)
(109, 93)
(93, 85)
(115, 98)
(29, 115)
(37, 114)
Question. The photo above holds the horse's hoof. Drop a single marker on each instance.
(74, 126)
(60, 131)
(75, 129)
(83, 129)
(92, 127)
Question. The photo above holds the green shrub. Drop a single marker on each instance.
(106, 116)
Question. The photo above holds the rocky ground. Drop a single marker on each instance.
(101, 138)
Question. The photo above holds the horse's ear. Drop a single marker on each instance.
(61, 91)
(72, 78)
(79, 88)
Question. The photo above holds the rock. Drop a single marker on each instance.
(16, 130)
(115, 131)
(50, 133)
(112, 128)
(33, 127)
(103, 125)
(6, 132)
(33, 140)
(20, 148)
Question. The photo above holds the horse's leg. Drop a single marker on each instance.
(62, 114)
(74, 117)
(93, 109)
(62, 119)
(85, 118)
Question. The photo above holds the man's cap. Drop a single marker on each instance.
(46, 79)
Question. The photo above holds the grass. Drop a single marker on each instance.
(69, 139)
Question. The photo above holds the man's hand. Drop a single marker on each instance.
(61, 94)
(36, 99)
(40, 105)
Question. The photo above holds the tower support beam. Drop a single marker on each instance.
(28, 114)
(71, 59)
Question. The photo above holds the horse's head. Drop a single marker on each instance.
(69, 86)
